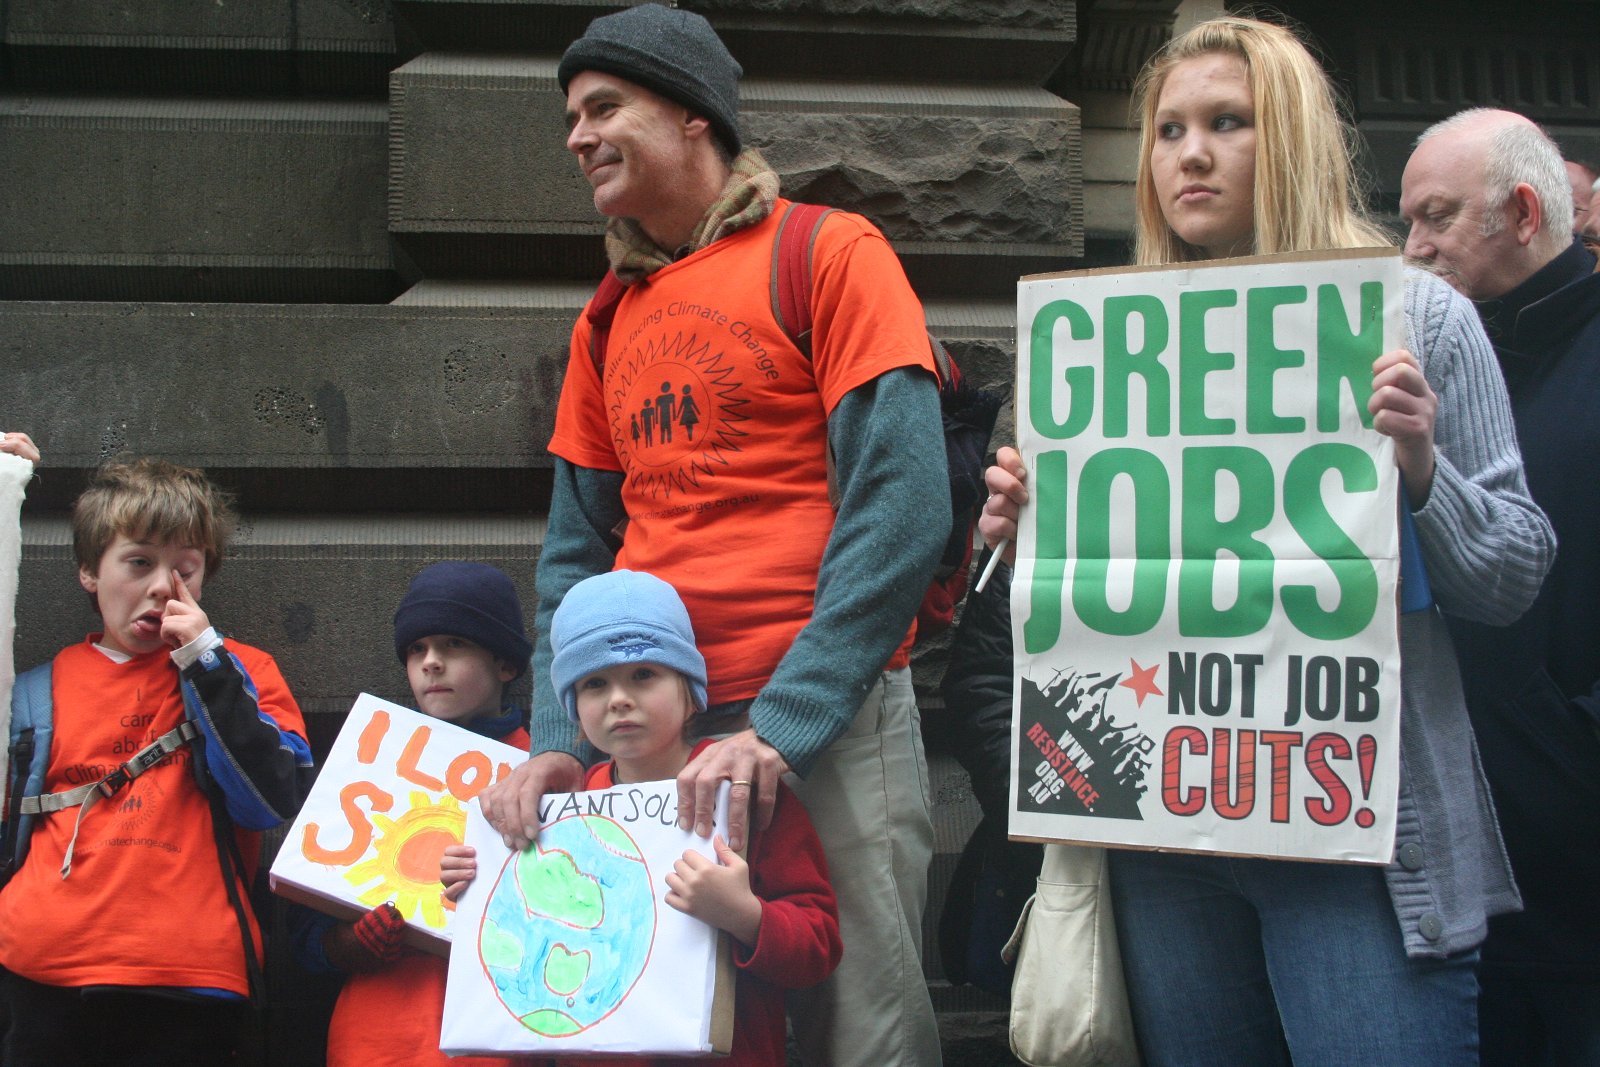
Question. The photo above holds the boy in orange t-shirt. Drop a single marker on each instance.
(125, 932)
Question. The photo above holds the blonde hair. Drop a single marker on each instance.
(151, 500)
(1306, 193)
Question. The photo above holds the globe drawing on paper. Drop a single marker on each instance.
(568, 926)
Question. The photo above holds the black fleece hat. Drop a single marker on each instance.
(464, 599)
(668, 51)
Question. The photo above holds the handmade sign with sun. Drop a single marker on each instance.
(392, 795)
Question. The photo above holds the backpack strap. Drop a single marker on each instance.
(791, 270)
(83, 798)
(233, 874)
(791, 291)
(792, 284)
(602, 311)
(155, 752)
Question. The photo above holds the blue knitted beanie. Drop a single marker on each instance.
(471, 600)
(622, 617)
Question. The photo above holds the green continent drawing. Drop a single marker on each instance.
(568, 926)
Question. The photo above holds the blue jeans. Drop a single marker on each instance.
(1262, 962)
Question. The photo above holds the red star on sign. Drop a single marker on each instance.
(1142, 680)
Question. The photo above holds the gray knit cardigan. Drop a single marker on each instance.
(1487, 547)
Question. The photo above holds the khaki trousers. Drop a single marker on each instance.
(868, 796)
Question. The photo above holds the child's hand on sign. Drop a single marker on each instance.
(718, 894)
(1403, 407)
(19, 444)
(370, 943)
(457, 868)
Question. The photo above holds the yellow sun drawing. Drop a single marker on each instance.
(407, 861)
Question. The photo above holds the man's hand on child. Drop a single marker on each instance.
(182, 620)
(457, 868)
(717, 894)
(752, 765)
(512, 804)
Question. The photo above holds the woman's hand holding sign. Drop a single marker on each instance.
(1403, 407)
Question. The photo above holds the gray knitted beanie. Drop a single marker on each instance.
(668, 51)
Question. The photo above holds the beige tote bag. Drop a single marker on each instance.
(1069, 1005)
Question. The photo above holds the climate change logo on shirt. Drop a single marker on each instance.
(673, 404)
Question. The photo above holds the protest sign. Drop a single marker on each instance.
(1207, 647)
(569, 948)
(392, 794)
(14, 475)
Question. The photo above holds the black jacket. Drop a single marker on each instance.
(1533, 687)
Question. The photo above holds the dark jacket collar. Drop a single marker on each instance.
(499, 726)
(1537, 317)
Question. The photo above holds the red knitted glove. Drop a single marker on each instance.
(379, 930)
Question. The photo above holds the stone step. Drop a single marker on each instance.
(454, 378)
(973, 184)
(979, 40)
(315, 389)
(124, 197)
(290, 47)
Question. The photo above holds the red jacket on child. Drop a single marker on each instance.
(798, 945)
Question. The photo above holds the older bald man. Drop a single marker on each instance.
(1489, 206)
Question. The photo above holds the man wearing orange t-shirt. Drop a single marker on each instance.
(698, 451)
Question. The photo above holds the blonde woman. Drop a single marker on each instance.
(1263, 962)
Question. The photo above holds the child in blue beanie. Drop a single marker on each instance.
(626, 669)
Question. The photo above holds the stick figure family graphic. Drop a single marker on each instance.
(659, 414)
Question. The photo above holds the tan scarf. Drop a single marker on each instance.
(745, 200)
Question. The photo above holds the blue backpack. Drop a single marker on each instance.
(32, 729)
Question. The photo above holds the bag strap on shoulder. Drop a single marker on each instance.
(791, 271)
(792, 284)
(602, 311)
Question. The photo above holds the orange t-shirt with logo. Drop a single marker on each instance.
(719, 426)
(145, 904)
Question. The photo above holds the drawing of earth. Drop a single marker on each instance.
(568, 926)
